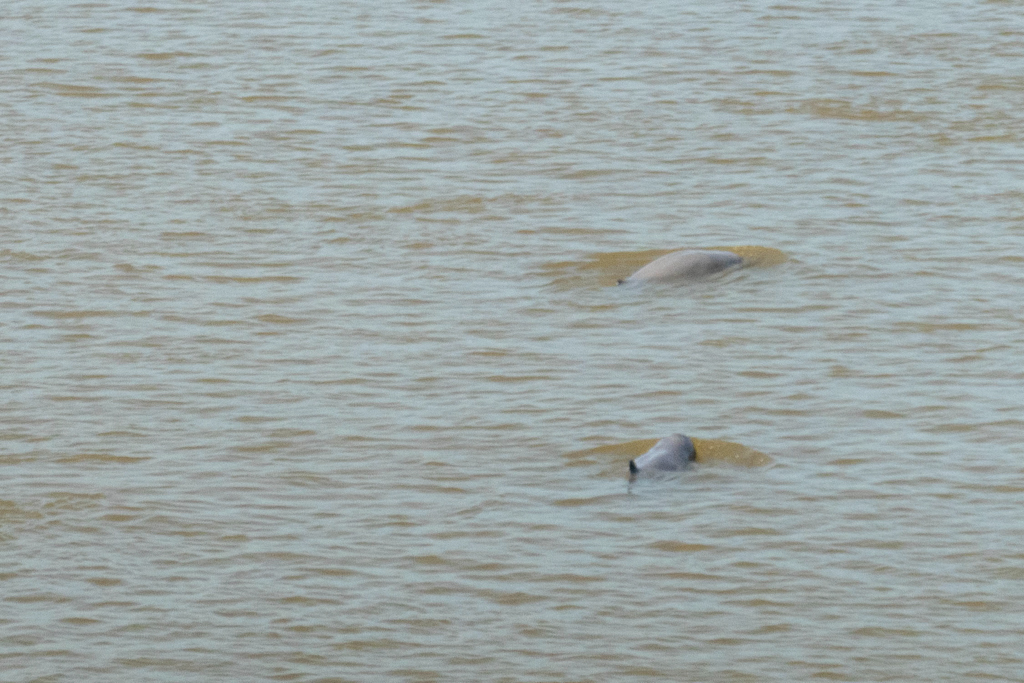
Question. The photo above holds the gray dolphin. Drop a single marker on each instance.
(671, 454)
(688, 264)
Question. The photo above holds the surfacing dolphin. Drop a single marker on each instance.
(671, 454)
(688, 264)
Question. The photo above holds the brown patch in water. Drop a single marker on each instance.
(613, 458)
(606, 269)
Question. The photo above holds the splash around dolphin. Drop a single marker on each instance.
(688, 264)
(607, 459)
(671, 454)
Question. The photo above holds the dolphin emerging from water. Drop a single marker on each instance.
(671, 454)
(688, 264)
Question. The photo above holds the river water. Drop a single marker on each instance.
(314, 367)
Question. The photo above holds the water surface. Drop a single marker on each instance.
(314, 367)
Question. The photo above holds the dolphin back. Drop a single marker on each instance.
(671, 454)
(689, 264)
